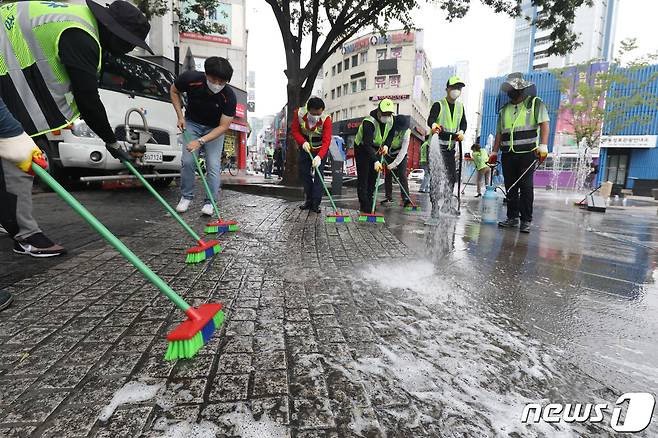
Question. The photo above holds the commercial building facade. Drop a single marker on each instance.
(373, 67)
(595, 24)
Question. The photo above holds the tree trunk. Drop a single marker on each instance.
(291, 173)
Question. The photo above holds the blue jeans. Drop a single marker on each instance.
(213, 156)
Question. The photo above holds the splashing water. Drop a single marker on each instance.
(440, 193)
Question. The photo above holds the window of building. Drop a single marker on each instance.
(344, 113)
(338, 92)
(347, 64)
(362, 84)
(345, 89)
(355, 60)
(540, 66)
(351, 112)
(353, 86)
(333, 93)
(333, 70)
(364, 57)
(340, 67)
(326, 74)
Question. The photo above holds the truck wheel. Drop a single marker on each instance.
(161, 183)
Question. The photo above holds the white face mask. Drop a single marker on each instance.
(215, 88)
(384, 119)
(312, 120)
(454, 94)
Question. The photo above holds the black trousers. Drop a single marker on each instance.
(401, 173)
(366, 178)
(513, 167)
(313, 189)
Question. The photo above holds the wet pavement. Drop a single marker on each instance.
(333, 330)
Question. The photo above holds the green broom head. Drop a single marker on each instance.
(191, 335)
(374, 217)
(412, 207)
(203, 251)
(221, 227)
(337, 218)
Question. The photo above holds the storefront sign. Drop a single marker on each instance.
(353, 125)
(392, 97)
(236, 127)
(375, 40)
(240, 111)
(629, 141)
(221, 18)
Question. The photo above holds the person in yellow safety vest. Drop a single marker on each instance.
(49, 66)
(424, 154)
(311, 129)
(397, 159)
(522, 135)
(269, 156)
(448, 119)
(480, 159)
(371, 143)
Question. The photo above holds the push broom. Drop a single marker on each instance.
(204, 249)
(413, 206)
(189, 336)
(374, 217)
(336, 217)
(219, 226)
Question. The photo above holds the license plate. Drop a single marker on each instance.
(152, 157)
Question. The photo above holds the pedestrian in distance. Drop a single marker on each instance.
(480, 161)
(424, 164)
(370, 144)
(522, 136)
(52, 81)
(397, 159)
(210, 109)
(448, 119)
(311, 129)
(269, 160)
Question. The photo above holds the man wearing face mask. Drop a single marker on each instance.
(371, 143)
(50, 82)
(522, 135)
(448, 120)
(210, 109)
(311, 129)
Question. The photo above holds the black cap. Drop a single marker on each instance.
(124, 20)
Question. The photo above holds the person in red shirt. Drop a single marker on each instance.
(312, 131)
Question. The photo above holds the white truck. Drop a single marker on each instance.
(125, 82)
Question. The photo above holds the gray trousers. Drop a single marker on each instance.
(16, 201)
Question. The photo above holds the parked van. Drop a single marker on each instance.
(125, 82)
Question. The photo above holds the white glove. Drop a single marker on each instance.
(460, 135)
(316, 161)
(306, 147)
(542, 152)
(383, 150)
(378, 166)
(436, 129)
(391, 166)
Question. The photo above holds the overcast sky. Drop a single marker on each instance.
(484, 39)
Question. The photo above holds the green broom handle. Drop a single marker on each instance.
(398, 181)
(374, 198)
(111, 238)
(203, 178)
(164, 203)
(317, 172)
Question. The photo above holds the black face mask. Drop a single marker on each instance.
(113, 43)
(514, 94)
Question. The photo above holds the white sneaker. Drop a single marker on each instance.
(183, 205)
(207, 210)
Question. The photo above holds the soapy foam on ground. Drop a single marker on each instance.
(246, 426)
(131, 392)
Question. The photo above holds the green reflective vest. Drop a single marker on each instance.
(29, 61)
(396, 142)
(379, 137)
(519, 134)
(449, 122)
(269, 152)
(313, 136)
(480, 159)
(423, 152)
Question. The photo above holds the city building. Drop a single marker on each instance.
(596, 28)
(251, 91)
(440, 76)
(373, 67)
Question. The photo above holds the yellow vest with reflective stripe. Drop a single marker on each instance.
(313, 136)
(29, 56)
(449, 122)
(378, 138)
(521, 134)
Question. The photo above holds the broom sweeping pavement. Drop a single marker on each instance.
(316, 338)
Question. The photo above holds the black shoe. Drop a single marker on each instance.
(509, 223)
(525, 227)
(406, 204)
(316, 209)
(478, 195)
(5, 299)
(305, 206)
(38, 245)
(386, 201)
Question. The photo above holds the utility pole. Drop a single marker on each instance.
(176, 32)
